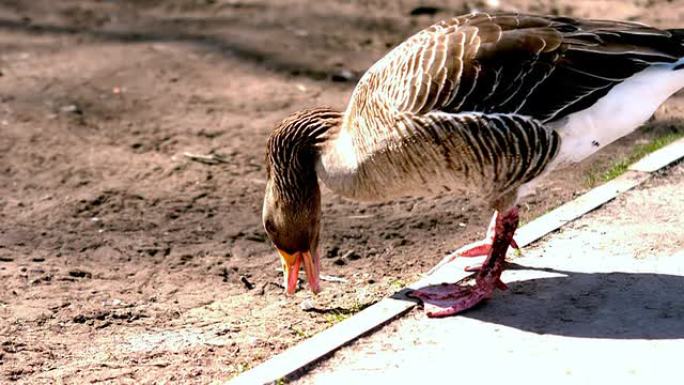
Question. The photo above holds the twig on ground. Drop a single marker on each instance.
(328, 278)
(248, 285)
(332, 278)
(210, 159)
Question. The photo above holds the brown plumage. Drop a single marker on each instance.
(480, 104)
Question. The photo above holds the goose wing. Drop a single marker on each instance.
(491, 154)
(541, 67)
(462, 103)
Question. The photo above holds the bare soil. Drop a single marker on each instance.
(122, 260)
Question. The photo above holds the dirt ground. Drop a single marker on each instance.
(122, 260)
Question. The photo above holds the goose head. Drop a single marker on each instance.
(293, 226)
(292, 202)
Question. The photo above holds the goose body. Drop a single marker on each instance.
(483, 105)
(384, 147)
(459, 157)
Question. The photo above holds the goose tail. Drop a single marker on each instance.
(678, 35)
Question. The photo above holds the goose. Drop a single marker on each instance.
(481, 105)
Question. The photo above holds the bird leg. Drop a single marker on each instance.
(475, 249)
(483, 246)
(448, 299)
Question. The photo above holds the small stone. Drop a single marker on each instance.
(343, 75)
(72, 109)
(306, 305)
(80, 274)
(488, 4)
(424, 10)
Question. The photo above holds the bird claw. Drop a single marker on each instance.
(449, 299)
(476, 249)
(452, 298)
(473, 268)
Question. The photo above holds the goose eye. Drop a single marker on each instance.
(270, 227)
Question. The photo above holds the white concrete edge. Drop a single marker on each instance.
(578, 207)
(331, 339)
(660, 158)
(323, 343)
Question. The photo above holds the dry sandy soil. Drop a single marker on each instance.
(124, 261)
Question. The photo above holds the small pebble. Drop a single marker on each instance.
(80, 274)
(72, 108)
(343, 75)
(424, 10)
(307, 304)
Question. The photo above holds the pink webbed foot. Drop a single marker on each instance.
(448, 299)
(452, 298)
(475, 249)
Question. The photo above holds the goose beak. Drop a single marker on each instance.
(291, 263)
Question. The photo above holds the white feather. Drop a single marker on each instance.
(338, 165)
(621, 111)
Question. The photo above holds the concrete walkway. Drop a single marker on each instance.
(601, 301)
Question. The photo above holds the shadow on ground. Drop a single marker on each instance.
(241, 33)
(598, 305)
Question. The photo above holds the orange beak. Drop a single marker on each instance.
(291, 263)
